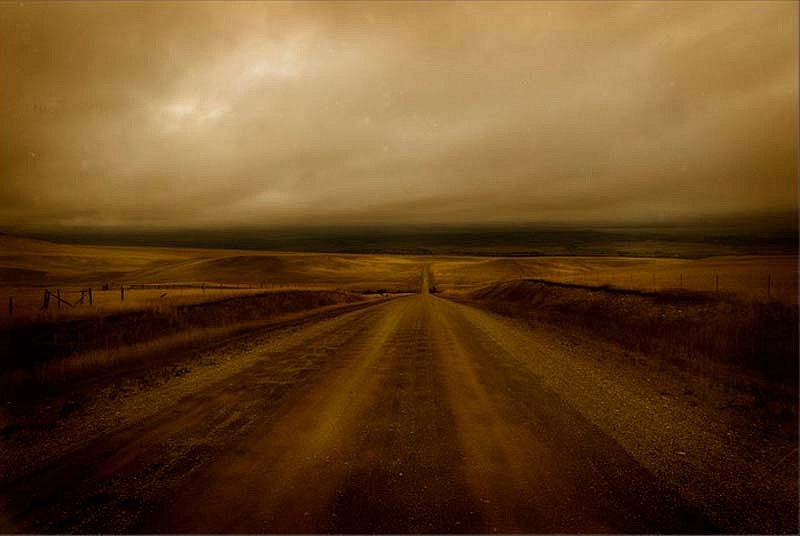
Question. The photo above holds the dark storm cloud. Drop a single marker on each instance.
(262, 113)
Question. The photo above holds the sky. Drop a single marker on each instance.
(213, 115)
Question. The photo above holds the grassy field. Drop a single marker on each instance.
(737, 307)
(761, 278)
(158, 277)
(153, 277)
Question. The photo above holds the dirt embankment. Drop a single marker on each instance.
(746, 345)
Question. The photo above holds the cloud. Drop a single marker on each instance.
(214, 114)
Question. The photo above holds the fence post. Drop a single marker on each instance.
(769, 285)
(46, 299)
(90, 295)
(122, 293)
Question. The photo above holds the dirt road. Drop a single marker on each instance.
(414, 415)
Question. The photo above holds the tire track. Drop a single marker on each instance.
(283, 475)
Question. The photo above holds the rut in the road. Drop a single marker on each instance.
(370, 448)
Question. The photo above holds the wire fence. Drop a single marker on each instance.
(54, 301)
(761, 287)
(24, 303)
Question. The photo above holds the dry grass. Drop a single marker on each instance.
(26, 262)
(746, 276)
(154, 277)
(28, 301)
(28, 266)
(54, 351)
(741, 343)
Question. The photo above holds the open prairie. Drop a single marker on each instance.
(411, 393)
(754, 277)
(158, 276)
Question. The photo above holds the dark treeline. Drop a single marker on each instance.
(698, 239)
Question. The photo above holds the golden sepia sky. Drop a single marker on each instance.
(184, 114)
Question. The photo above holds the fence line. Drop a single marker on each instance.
(745, 286)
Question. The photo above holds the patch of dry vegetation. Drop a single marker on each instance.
(25, 262)
(54, 351)
(157, 278)
(749, 345)
(757, 277)
(28, 301)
